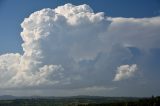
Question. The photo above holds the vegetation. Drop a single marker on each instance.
(83, 101)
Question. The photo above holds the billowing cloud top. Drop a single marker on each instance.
(73, 47)
(125, 71)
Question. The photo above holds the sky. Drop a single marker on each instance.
(80, 47)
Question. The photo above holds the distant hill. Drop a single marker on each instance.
(8, 100)
(77, 99)
(81, 97)
(7, 97)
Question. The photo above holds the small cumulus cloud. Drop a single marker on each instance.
(125, 72)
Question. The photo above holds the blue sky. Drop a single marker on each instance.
(75, 49)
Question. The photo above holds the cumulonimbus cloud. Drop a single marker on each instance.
(45, 33)
(74, 47)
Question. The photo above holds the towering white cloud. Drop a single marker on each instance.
(125, 71)
(53, 39)
(73, 47)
